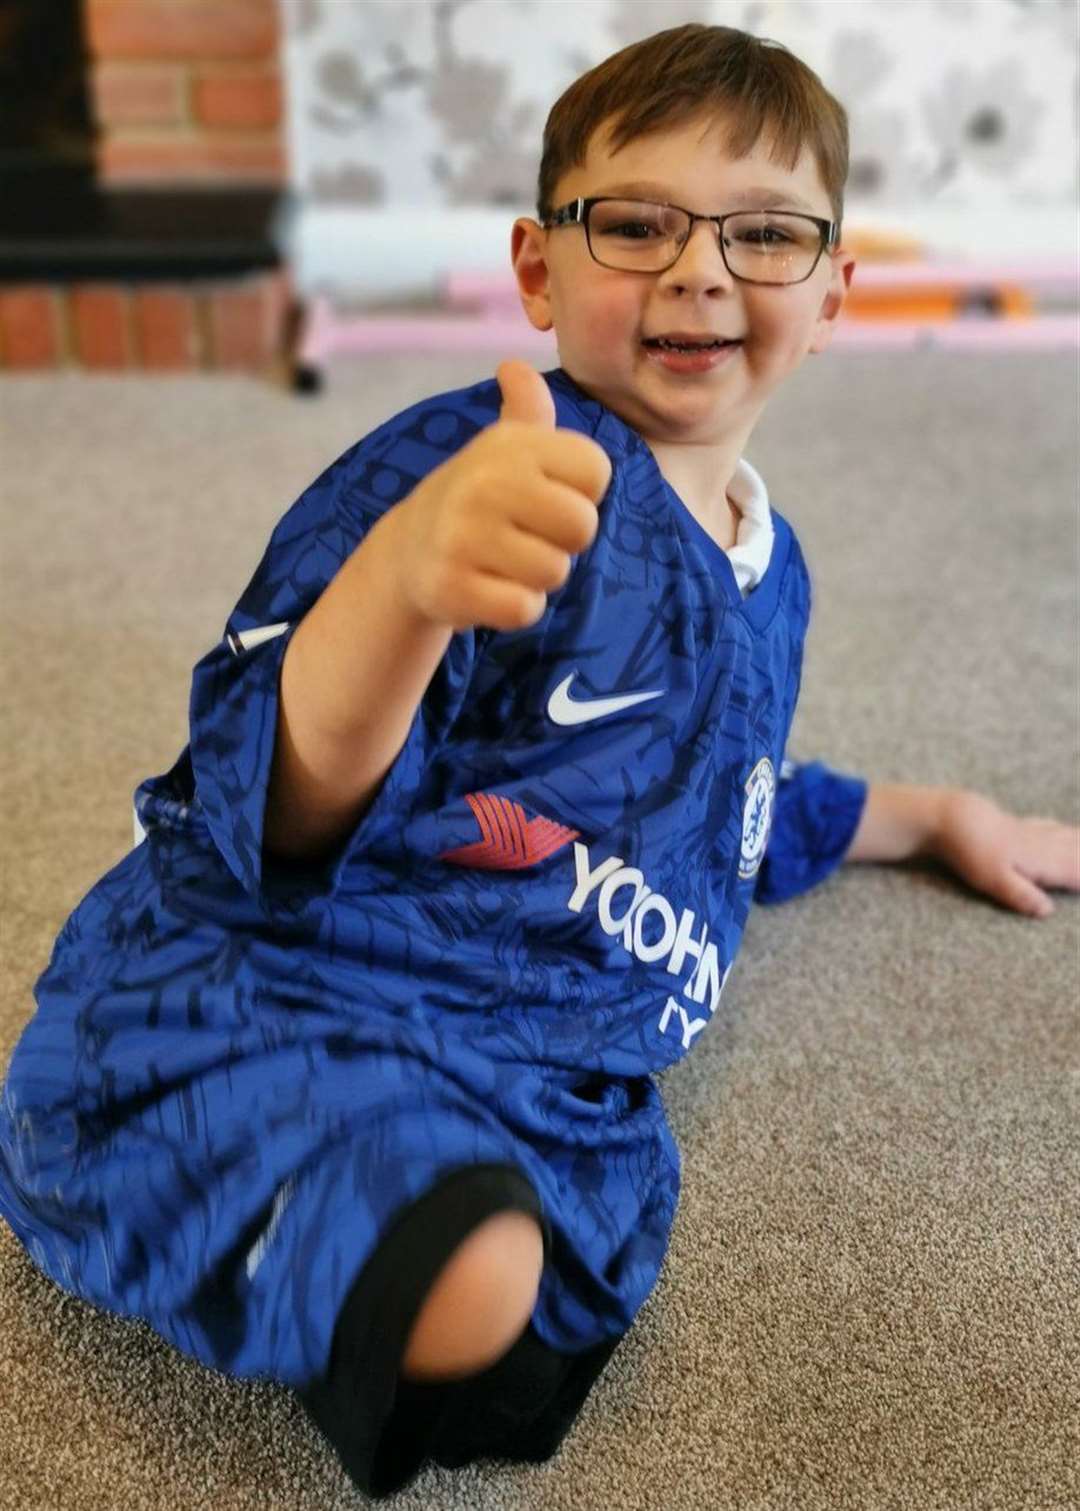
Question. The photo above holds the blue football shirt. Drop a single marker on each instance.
(240, 1069)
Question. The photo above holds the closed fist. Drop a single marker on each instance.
(486, 536)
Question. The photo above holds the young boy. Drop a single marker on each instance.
(345, 1076)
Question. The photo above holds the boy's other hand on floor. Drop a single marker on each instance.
(1006, 856)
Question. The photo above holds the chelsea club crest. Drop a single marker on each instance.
(757, 817)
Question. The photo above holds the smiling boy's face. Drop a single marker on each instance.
(601, 315)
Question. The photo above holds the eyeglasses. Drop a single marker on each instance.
(758, 246)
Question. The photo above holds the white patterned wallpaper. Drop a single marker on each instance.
(443, 102)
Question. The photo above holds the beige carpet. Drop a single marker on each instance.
(872, 1295)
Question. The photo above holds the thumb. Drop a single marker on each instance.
(525, 395)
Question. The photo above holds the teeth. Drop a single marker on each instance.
(687, 346)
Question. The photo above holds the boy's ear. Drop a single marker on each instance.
(528, 253)
(843, 268)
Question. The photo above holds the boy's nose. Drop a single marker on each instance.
(700, 260)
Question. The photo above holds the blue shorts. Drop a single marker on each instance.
(275, 1195)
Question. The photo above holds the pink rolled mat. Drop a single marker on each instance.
(1043, 273)
(507, 331)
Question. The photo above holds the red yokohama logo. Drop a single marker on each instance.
(510, 840)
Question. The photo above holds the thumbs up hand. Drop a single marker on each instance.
(525, 395)
(487, 535)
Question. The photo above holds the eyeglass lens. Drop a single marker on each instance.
(765, 246)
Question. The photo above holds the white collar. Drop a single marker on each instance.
(750, 554)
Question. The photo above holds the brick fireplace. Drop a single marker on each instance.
(142, 179)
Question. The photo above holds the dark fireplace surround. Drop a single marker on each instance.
(59, 224)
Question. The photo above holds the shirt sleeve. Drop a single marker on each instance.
(816, 813)
(234, 693)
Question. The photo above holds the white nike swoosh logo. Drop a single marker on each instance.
(563, 710)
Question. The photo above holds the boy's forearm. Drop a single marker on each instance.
(899, 822)
(351, 681)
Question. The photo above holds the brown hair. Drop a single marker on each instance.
(676, 75)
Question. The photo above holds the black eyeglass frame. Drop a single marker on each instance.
(577, 210)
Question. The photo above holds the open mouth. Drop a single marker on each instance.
(660, 343)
